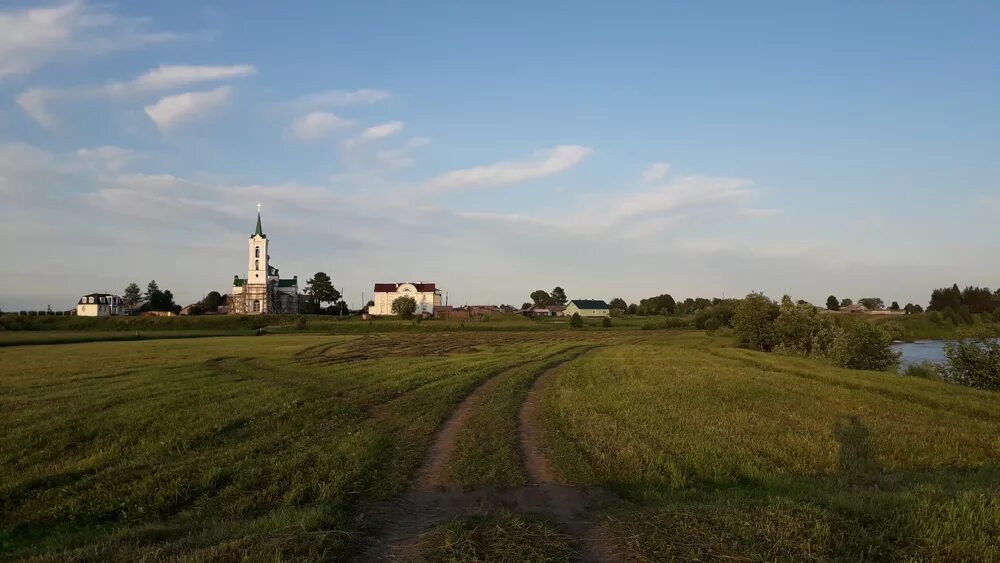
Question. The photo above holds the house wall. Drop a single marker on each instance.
(93, 310)
(426, 301)
(586, 313)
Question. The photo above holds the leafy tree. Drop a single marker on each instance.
(894, 306)
(978, 299)
(576, 321)
(800, 330)
(753, 322)
(945, 298)
(717, 316)
(541, 298)
(212, 301)
(872, 303)
(846, 302)
(974, 361)
(558, 296)
(633, 309)
(605, 322)
(525, 305)
(618, 303)
(404, 307)
(863, 345)
(132, 296)
(320, 290)
(660, 305)
(832, 304)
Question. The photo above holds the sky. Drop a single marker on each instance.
(616, 149)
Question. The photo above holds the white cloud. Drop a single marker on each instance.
(544, 163)
(656, 172)
(108, 157)
(166, 77)
(35, 103)
(403, 156)
(31, 38)
(382, 130)
(316, 125)
(170, 111)
(336, 98)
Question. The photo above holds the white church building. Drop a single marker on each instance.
(263, 291)
(427, 296)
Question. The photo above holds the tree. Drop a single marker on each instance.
(753, 322)
(619, 303)
(558, 296)
(863, 345)
(320, 290)
(800, 330)
(946, 298)
(660, 305)
(606, 322)
(974, 361)
(132, 296)
(211, 301)
(525, 305)
(576, 321)
(540, 298)
(894, 306)
(151, 288)
(404, 307)
(633, 309)
(872, 303)
(832, 304)
(846, 302)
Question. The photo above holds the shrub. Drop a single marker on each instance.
(801, 331)
(753, 322)
(404, 307)
(935, 317)
(606, 322)
(576, 321)
(300, 322)
(716, 316)
(862, 345)
(974, 361)
(924, 370)
(663, 323)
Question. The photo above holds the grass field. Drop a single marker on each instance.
(314, 446)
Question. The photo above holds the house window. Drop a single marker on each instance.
(256, 252)
(90, 300)
(256, 306)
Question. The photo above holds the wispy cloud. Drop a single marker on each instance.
(170, 111)
(375, 132)
(35, 103)
(316, 125)
(338, 98)
(168, 77)
(401, 157)
(107, 157)
(655, 173)
(34, 37)
(542, 164)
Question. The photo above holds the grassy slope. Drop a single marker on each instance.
(220, 447)
(731, 453)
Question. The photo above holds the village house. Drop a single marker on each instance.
(592, 308)
(426, 295)
(100, 305)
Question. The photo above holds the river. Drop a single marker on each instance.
(920, 351)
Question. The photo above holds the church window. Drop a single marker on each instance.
(257, 252)
(256, 264)
(256, 306)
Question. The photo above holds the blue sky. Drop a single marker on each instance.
(615, 149)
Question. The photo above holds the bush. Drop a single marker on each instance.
(576, 321)
(300, 322)
(862, 345)
(935, 317)
(404, 307)
(715, 317)
(801, 331)
(663, 323)
(923, 370)
(974, 361)
(753, 322)
(606, 322)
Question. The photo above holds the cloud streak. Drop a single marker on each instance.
(171, 111)
(541, 164)
(316, 125)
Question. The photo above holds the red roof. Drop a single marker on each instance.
(392, 287)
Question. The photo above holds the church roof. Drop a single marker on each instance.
(392, 287)
(259, 232)
(294, 282)
(238, 281)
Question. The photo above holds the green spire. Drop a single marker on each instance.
(258, 232)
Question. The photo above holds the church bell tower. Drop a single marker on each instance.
(257, 264)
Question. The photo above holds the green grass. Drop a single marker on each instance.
(506, 537)
(279, 446)
(221, 447)
(732, 453)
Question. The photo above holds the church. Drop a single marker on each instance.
(263, 291)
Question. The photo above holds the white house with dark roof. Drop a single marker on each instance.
(588, 308)
(427, 296)
(263, 291)
(99, 305)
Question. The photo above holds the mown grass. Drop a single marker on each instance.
(219, 448)
(507, 537)
(735, 454)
